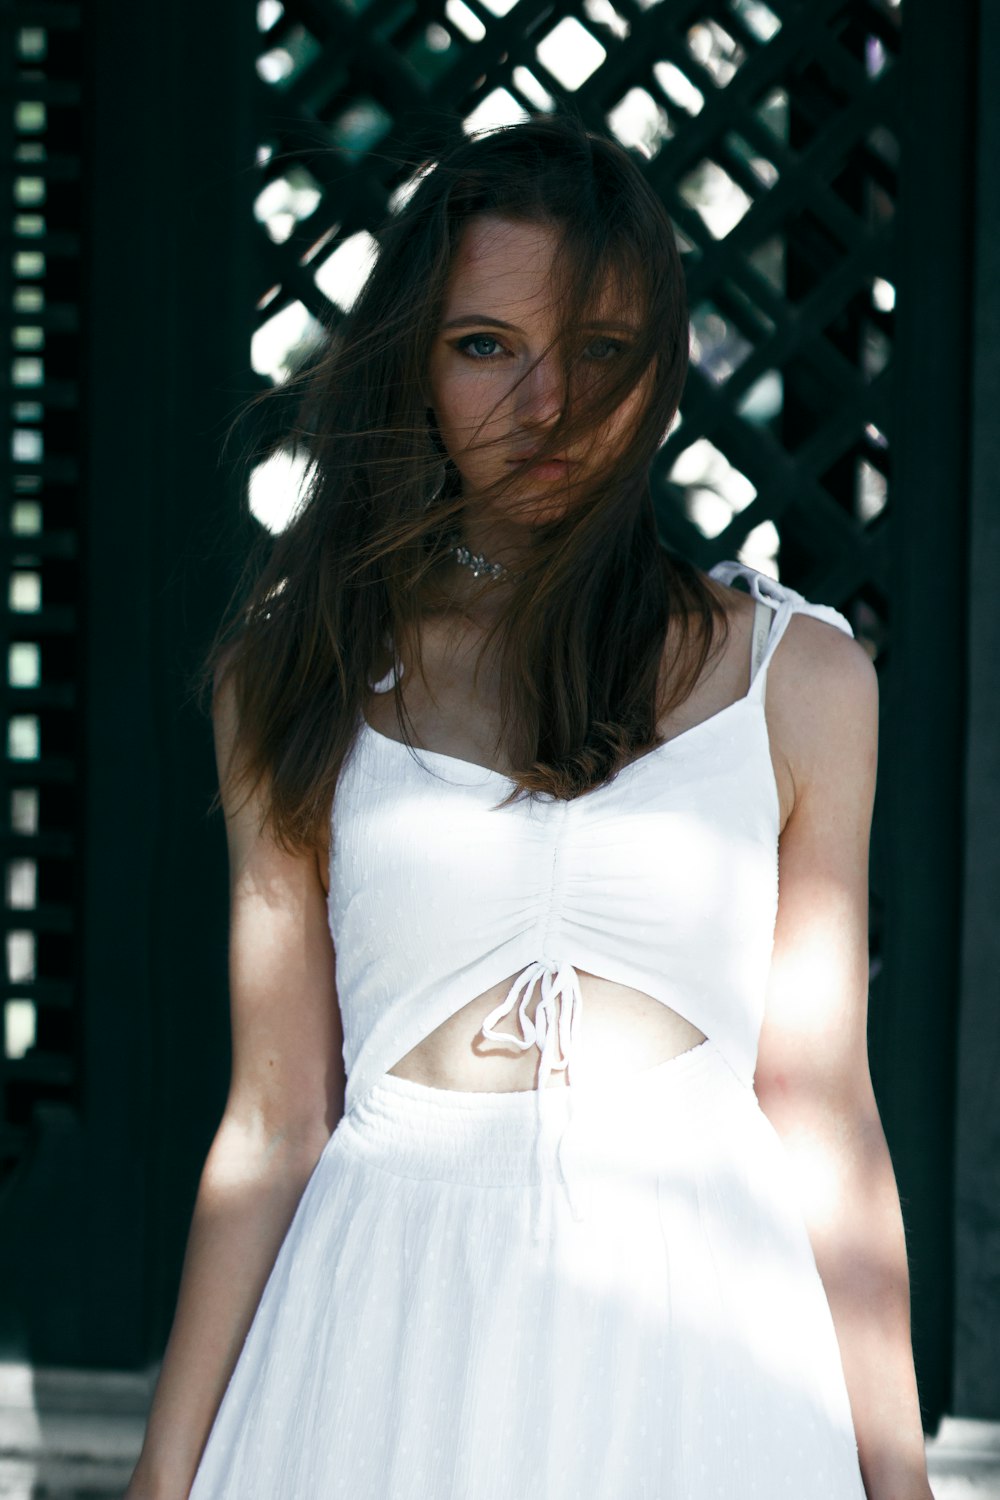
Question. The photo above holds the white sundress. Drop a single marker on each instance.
(559, 1293)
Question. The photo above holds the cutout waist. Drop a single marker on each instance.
(490, 1139)
(550, 1021)
(484, 1046)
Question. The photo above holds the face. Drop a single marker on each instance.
(494, 395)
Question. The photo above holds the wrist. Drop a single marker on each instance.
(897, 1482)
(150, 1483)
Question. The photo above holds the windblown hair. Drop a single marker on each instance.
(345, 585)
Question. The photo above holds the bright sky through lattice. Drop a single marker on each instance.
(527, 84)
(22, 884)
(883, 294)
(275, 65)
(26, 518)
(715, 490)
(465, 20)
(283, 202)
(24, 664)
(872, 491)
(498, 108)
(269, 12)
(637, 120)
(26, 446)
(570, 53)
(21, 956)
(717, 52)
(19, 1027)
(760, 549)
(498, 7)
(23, 743)
(24, 592)
(272, 346)
(678, 87)
(603, 13)
(275, 489)
(762, 401)
(401, 195)
(24, 809)
(342, 275)
(717, 198)
(759, 19)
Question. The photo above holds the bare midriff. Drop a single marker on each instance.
(622, 1031)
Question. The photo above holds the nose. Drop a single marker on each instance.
(541, 394)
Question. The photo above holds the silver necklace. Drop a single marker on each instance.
(478, 564)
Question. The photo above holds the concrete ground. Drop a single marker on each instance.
(74, 1435)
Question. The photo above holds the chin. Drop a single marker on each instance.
(534, 510)
(535, 507)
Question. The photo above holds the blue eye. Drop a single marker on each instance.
(614, 345)
(472, 347)
(464, 346)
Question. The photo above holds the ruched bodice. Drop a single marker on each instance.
(664, 879)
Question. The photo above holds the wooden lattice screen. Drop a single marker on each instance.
(39, 455)
(770, 133)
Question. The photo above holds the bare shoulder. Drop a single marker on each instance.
(245, 804)
(287, 1070)
(822, 705)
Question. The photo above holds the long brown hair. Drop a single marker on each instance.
(347, 581)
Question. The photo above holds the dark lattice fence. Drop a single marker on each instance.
(39, 463)
(769, 132)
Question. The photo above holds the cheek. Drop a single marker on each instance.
(629, 413)
(465, 403)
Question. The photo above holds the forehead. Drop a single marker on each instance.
(502, 262)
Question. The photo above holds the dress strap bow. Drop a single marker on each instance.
(555, 1031)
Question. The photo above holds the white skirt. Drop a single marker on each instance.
(416, 1342)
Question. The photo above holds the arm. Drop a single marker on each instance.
(286, 1095)
(813, 1079)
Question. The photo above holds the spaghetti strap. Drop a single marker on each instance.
(762, 617)
(784, 602)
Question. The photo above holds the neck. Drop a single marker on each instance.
(496, 542)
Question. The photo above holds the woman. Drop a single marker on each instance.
(502, 1215)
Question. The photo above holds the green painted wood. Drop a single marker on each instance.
(977, 1322)
(163, 224)
(920, 787)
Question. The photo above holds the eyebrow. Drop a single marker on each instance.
(476, 320)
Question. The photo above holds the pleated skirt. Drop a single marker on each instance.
(416, 1341)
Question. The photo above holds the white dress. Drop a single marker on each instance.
(561, 1293)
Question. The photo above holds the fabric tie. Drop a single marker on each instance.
(555, 1030)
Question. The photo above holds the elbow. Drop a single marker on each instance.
(256, 1148)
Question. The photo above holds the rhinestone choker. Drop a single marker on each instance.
(479, 566)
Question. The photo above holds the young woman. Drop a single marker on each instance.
(551, 1168)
